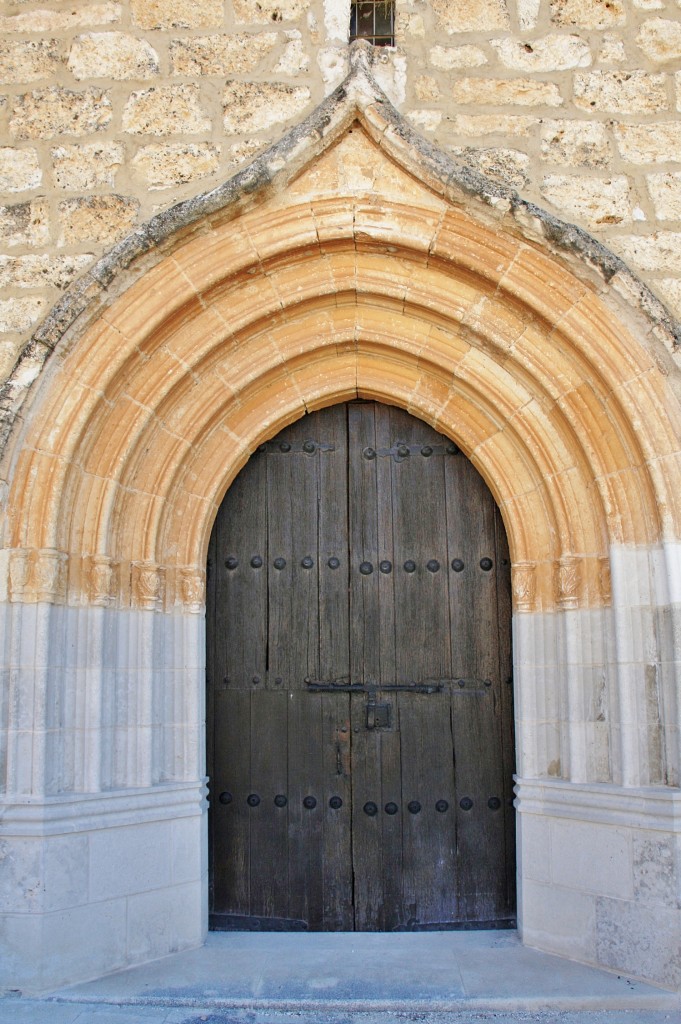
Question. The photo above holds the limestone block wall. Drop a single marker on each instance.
(111, 110)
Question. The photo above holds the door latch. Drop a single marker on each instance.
(378, 714)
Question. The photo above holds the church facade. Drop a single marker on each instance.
(335, 226)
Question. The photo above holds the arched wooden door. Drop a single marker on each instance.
(360, 724)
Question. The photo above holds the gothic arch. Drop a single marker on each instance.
(288, 300)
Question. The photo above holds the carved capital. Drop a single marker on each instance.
(19, 573)
(524, 583)
(568, 582)
(605, 579)
(50, 575)
(147, 585)
(100, 580)
(192, 589)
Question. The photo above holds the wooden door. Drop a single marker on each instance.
(360, 722)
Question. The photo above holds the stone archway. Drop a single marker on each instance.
(284, 302)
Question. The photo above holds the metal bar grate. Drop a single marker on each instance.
(373, 20)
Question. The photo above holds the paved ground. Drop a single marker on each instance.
(433, 978)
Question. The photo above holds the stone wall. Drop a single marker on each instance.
(111, 111)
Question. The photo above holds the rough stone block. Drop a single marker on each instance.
(294, 60)
(21, 314)
(426, 88)
(612, 50)
(447, 58)
(643, 941)
(665, 192)
(40, 270)
(528, 12)
(659, 251)
(71, 17)
(245, 150)
(77, 168)
(649, 143)
(552, 53)
(187, 14)
(167, 110)
(660, 40)
(408, 25)
(425, 120)
(220, 55)
(25, 223)
(588, 13)
(114, 55)
(523, 92)
(509, 166)
(163, 166)
(463, 16)
(19, 169)
(473, 125)
(575, 143)
(258, 12)
(45, 113)
(621, 92)
(256, 106)
(669, 290)
(28, 60)
(593, 201)
(104, 219)
(655, 870)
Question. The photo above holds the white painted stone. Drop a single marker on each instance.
(542, 906)
(592, 858)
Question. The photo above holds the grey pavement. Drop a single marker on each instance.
(369, 978)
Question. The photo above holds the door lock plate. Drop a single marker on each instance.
(378, 714)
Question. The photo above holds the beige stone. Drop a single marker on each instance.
(508, 166)
(294, 60)
(241, 152)
(464, 16)
(669, 290)
(254, 107)
(25, 223)
(28, 60)
(162, 166)
(78, 168)
(426, 88)
(114, 55)
(621, 92)
(21, 314)
(165, 110)
(528, 12)
(220, 55)
(655, 142)
(492, 124)
(660, 40)
(187, 14)
(612, 50)
(254, 12)
(665, 192)
(19, 169)
(588, 13)
(408, 24)
(592, 201)
(41, 270)
(45, 113)
(575, 143)
(553, 52)
(425, 120)
(450, 57)
(523, 92)
(104, 219)
(659, 251)
(73, 16)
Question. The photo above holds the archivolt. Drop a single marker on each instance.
(139, 429)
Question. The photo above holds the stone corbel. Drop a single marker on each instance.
(569, 579)
(524, 584)
(147, 585)
(192, 589)
(100, 579)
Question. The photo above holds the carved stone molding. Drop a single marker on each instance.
(524, 583)
(192, 590)
(568, 582)
(147, 585)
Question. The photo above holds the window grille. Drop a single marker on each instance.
(373, 20)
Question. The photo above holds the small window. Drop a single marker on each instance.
(373, 20)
